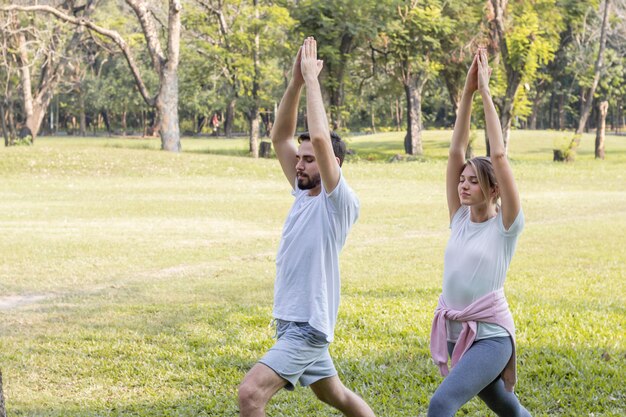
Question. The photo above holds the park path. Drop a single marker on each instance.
(13, 301)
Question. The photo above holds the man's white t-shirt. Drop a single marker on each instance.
(307, 283)
(476, 261)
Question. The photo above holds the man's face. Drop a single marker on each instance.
(307, 171)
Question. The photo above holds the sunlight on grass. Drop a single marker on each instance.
(141, 281)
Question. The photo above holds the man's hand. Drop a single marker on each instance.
(310, 66)
(296, 72)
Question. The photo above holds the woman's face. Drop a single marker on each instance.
(470, 192)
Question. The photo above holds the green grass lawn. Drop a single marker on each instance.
(136, 282)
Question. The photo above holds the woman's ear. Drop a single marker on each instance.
(495, 193)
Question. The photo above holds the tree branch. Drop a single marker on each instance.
(114, 36)
(147, 25)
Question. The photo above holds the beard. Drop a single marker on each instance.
(307, 183)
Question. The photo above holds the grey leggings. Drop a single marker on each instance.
(478, 373)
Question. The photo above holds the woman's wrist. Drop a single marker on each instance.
(468, 92)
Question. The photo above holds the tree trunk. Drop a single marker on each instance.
(413, 138)
(123, 122)
(254, 132)
(506, 119)
(513, 76)
(5, 131)
(167, 108)
(469, 151)
(551, 111)
(144, 124)
(561, 108)
(229, 117)
(167, 100)
(27, 95)
(165, 65)
(398, 118)
(373, 117)
(336, 89)
(588, 98)
(603, 108)
(506, 112)
(35, 105)
(200, 122)
(254, 111)
(535, 111)
(81, 108)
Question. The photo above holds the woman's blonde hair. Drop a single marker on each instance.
(485, 174)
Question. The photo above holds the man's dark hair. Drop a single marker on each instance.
(339, 146)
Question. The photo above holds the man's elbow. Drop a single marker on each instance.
(319, 139)
(278, 138)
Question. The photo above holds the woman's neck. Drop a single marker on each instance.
(482, 212)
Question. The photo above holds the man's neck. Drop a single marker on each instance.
(315, 191)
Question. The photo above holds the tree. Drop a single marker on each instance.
(588, 94)
(597, 69)
(526, 35)
(165, 65)
(245, 50)
(411, 48)
(41, 52)
(555, 83)
(603, 108)
(339, 26)
(8, 76)
(459, 44)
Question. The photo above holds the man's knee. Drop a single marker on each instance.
(335, 397)
(250, 396)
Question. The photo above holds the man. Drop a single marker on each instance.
(306, 293)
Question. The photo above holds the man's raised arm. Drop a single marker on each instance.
(316, 116)
(286, 121)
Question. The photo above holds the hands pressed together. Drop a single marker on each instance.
(306, 66)
(479, 73)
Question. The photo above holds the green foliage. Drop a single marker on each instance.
(552, 44)
(22, 141)
(413, 37)
(341, 30)
(532, 40)
(221, 57)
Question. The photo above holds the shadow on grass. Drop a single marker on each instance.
(188, 359)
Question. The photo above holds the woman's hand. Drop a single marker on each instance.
(484, 71)
(471, 81)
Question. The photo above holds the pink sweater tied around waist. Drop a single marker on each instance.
(490, 308)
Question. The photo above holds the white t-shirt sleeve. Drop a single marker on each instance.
(459, 217)
(515, 228)
(343, 207)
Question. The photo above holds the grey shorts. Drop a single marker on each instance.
(299, 354)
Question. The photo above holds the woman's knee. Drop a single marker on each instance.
(440, 406)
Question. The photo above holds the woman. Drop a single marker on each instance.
(472, 322)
